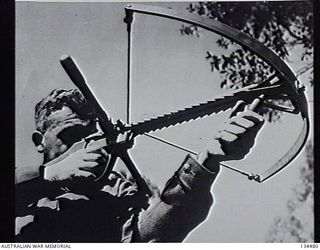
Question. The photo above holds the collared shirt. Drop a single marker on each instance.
(113, 210)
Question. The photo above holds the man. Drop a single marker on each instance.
(66, 202)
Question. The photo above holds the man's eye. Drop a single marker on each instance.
(74, 134)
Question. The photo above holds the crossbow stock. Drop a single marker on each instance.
(283, 84)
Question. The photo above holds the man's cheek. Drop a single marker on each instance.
(56, 148)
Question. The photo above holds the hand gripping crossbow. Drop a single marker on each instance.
(283, 84)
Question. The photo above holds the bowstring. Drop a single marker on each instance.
(250, 176)
(128, 20)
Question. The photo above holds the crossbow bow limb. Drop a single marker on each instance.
(283, 84)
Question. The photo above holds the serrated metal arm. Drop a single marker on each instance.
(216, 105)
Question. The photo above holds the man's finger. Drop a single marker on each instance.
(96, 145)
(234, 129)
(104, 153)
(91, 156)
(240, 106)
(243, 122)
(89, 164)
(255, 104)
(82, 173)
(225, 136)
(252, 116)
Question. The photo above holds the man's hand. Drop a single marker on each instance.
(235, 137)
(81, 163)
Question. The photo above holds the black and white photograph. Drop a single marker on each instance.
(164, 122)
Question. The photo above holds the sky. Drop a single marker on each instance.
(169, 72)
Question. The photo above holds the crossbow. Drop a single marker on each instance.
(283, 84)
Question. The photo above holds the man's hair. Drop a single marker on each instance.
(58, 99)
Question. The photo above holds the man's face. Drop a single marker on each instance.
(66, 128)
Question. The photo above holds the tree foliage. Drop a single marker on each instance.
(293, 227)
(286, 27)
(282, 26)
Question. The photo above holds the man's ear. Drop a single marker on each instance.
(37, 139)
